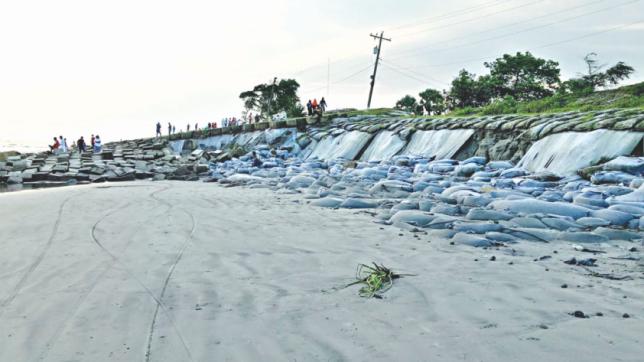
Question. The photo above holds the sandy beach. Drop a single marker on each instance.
(178, 271)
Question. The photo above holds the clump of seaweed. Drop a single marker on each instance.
(377, 279)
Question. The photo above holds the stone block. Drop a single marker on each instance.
(262, 126)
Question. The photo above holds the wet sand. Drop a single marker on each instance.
(177, 271)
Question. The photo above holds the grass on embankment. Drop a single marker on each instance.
(631, 96)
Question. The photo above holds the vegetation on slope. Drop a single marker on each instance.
(631, 96)
(523, 83)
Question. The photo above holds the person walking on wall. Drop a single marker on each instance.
(323, 104)
(309, 107)
(81, 145)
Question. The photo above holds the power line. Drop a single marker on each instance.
(342, 80)
(353, 75)
(307, 69)
(319, 65)
(389, 66)
(589, 35)
(485, 16)
(448, 15)
(413, 72)
(451, 14)
(515, 23)
(465, 61)
(433, 51)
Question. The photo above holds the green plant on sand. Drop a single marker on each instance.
(377, 279)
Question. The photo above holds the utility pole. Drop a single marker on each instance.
(328, 77)
(375, 68)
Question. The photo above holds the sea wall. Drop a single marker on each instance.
(561, 143)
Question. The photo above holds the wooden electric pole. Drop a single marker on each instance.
(375, 68)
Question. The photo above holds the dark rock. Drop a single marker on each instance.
(14, 180)
(182, 171)
(82, 177)
(177, 178)
(61, 167)
(58, 177)
(223, 157)
(96, 170)
(96, 178)
(578, 314)
(199, 168)
(123, 177)
(584, 262)
(141, 175)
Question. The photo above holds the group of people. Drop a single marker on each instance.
(312, 107)
(230, 122)
(225, 122)
(315, 107)
(60, 145)
(234, 121)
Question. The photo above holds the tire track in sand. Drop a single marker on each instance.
(186, 243)
(158, 302)
(113, 260)
(18, 287)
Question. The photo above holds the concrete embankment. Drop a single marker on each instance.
(561, 143)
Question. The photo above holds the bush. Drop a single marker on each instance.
(635, 89)
(504, 106)
(465, 111)
(547, 104)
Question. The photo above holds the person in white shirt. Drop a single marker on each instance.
(63, 145)
(97, 144)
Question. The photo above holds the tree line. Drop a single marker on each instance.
(514, 78)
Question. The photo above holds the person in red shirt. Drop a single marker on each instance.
(55, 146)
(314, 104)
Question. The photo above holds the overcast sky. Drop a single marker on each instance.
(116, 67)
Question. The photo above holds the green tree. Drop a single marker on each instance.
(407, 103)
(523, 76)
(596, 78)
(432, 101)
(275, 97)
(467, 91)
(251, 100)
